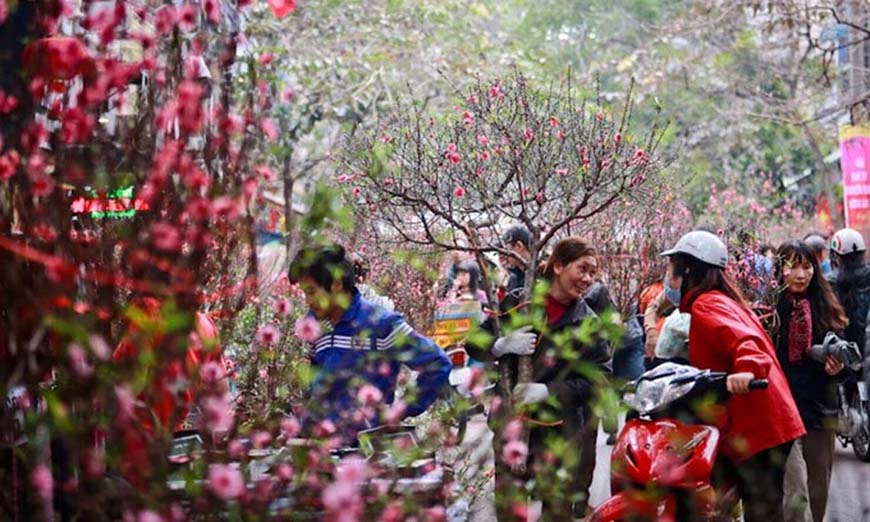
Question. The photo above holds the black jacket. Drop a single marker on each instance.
(814, 391)
(852, 286)
(565, 371)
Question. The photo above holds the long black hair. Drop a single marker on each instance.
(700, 277)
(828, 314)
(473, 270)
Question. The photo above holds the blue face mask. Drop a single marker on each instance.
(672, 295)
(826, 266)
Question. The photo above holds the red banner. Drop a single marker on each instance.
(854, 161)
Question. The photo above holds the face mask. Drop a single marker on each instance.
(826, 266)
(672, 295)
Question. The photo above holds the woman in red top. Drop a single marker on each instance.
(757, 428)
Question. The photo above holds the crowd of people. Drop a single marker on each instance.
(695, 313)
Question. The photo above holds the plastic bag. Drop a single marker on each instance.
(673, 340)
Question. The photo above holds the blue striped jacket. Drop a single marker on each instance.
(369, 345)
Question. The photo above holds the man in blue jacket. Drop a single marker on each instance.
(367, 346)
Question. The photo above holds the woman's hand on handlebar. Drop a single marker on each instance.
(738, 383)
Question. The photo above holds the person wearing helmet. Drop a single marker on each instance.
(758, 428)
(852, 283)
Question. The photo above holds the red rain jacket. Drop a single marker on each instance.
(726, 336)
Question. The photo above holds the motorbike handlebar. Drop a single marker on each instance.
(720, 378)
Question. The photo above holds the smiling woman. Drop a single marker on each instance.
(571, 270)
(556, 403)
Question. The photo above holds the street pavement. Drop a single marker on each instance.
(849, 499)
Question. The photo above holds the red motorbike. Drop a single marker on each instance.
(663, 460)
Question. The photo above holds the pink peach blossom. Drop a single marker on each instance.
(342, 501)
(369, 395)
(217, 415)
(307, 329)
(42, 482)
(282, 306)
(515, 453)
(353, 470)
(290, 426)
(225, 481)
(268, 334)
(211, 372)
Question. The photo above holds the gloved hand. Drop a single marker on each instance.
(519, 342)
(530, 393)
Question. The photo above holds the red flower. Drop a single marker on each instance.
(495, 91)
(282, 8)
(269, 129)
(76, 127)
(554, 121)
(41, 185)
(459, 192)
(8, 103)
(212, 11)
(249, 188)
(225, 208)
(187, 18)
(529, 134)
(199, 209)
(58, 58)
(165, 237)
(9, 165)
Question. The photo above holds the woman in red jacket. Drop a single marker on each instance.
(757, 428)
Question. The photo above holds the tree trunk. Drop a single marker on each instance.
(289, 217)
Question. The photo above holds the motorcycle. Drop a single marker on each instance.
(853, 405)
(663, 459)
(399, 469)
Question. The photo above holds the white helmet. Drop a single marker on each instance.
(703, 246)
(847, 241)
